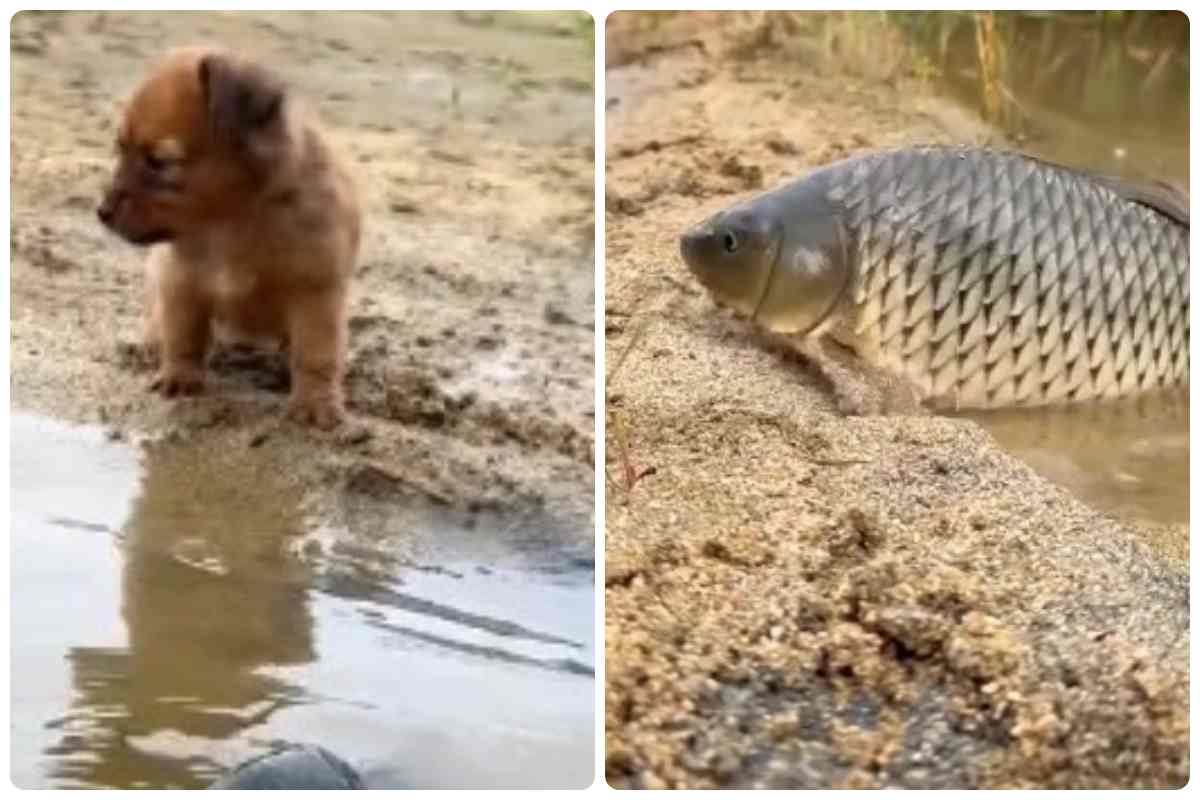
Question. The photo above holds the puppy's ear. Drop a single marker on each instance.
(242, 99)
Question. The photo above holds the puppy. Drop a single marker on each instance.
(252, 221)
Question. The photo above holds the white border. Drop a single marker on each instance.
(599, 12)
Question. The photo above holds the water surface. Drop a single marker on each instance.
(1127, 458)
(173, 615)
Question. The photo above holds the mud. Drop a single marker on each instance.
(795, 598)
(466, 472)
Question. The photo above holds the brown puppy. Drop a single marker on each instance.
(255, 223)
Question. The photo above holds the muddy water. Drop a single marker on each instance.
(173, 615)
(1129, 458)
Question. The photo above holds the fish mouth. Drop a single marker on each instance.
(689, 242)
(730, 289)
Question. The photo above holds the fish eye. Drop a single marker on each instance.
(730, 241)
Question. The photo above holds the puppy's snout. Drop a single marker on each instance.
(107, 209)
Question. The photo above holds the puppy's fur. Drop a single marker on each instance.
(254, 223)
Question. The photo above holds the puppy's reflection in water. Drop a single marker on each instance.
(210, 596)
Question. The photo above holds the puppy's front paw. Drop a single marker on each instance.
(321, 412)
(178, 382)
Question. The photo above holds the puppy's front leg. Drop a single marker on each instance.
(183, 322)
(317, 332)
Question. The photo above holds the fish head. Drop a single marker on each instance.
(782, 258)
(732, 253)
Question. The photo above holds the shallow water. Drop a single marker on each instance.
(1128, 458)
(174, 615)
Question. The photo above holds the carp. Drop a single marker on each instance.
(983, 278)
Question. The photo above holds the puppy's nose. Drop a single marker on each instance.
(107, 209)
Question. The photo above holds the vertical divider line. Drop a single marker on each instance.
(598, 11)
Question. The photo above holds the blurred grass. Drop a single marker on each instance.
(1105, 90)
(1099, 62)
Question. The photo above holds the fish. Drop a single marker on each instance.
(984, 278)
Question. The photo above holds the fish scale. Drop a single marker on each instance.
(1057, 306)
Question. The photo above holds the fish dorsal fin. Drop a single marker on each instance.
(1165, 198)
(1161, 196)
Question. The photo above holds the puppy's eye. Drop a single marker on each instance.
(731, 242)
(156, 163)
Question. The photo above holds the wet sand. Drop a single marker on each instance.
(795, 598)
(271, 581)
